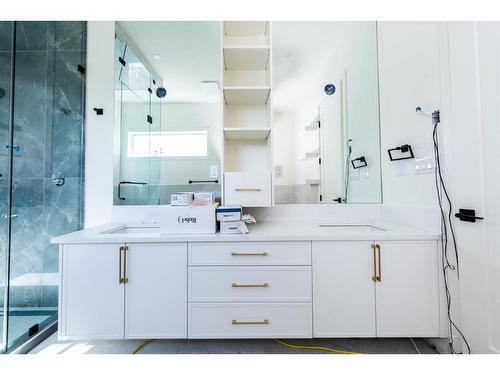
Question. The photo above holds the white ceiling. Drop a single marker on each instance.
(189, 51)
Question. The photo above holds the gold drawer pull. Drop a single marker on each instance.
(379, 277)
(264, 253)
(265, 321)
(120, 265)
(263, 285)
(374, 277)
(247, 189)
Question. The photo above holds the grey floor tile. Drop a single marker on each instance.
(368, 346)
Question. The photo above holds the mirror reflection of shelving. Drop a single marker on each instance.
(247, 87)
(247, 98)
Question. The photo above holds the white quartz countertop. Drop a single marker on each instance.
(266, 230)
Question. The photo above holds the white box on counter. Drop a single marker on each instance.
(227, 213)
(183, 198)
(233, 227)
(188, 219)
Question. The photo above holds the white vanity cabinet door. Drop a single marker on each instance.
(248, 189)
(92, 297)
(156, 291)
(408, 292)
(343, 289)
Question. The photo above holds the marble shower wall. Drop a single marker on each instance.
(48, 145)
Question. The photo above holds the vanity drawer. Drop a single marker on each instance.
(239, 284)
(250, 253)
(247, 189)
(250, 320)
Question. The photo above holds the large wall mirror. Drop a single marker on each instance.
(166, 141)
(326, 113)
(326, 141)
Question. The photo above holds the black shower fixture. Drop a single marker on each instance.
(161, 92)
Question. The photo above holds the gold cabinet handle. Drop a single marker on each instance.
(125, 278)
(379, 277)
(120, 269)
(263, 285)
(236, 322)
(374, 277)
(247, 189)
(264, 253)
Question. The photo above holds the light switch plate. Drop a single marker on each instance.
(214, 171)
(424, 166)
(278, 171)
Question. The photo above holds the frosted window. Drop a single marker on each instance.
(173, 144)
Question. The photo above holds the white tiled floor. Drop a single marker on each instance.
(376, 346)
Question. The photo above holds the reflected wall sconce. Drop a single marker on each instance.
(404, 151)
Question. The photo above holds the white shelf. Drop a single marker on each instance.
(312, 182)
(245, 28)
(313, 126)
(246, 133)
(311, 155)
(246, 57)
(246, 95)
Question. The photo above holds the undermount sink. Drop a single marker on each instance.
(352, 227)
(133, 230)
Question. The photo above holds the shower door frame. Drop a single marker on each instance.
(26, 341)
(10, 163)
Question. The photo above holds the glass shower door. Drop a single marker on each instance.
(6, 32)
(45, 181)
(138, 116)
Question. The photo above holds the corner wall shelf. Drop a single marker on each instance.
(245, 28)
(313, 126)
(246, 133)
(246, 57)
(312, 182)
(311, 155)
(246, 95)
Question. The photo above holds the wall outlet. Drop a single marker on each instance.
(214, 171)
(400, 168)
(424, 166)
(354, 174)
(278, 171)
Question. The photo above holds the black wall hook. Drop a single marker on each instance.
(99, 111)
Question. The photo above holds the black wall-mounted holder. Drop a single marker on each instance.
(403, 149)
(203, 181)
(468, 215)
(99, 111)
(359, 162)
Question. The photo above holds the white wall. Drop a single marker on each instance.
(409, 77)
(472, 171)
(99, 129)
(192, 116)
(453, 67)
(307, 56)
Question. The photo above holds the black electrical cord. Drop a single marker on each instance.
(447, 265)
